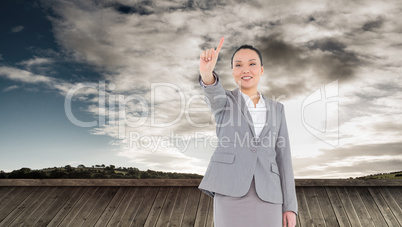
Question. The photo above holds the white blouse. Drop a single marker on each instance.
(258, 113)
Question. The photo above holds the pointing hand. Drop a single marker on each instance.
(208, 59)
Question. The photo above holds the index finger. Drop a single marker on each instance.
(219, 45)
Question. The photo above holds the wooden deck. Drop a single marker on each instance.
(181, 203)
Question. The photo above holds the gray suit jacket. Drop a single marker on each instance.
(239, 154)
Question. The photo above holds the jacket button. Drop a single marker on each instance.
(253, 149)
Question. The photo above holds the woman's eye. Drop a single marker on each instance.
(252, 64)
(237, 65)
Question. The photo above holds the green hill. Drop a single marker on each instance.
(94, 172)
(392, 175)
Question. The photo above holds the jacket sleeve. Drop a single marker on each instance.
(284, 160)
(215, 95)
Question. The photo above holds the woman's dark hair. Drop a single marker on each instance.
(246, 46)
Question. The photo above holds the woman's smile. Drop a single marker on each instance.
(246, 78)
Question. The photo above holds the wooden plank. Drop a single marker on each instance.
(4, 192)
(90, 204)
(157, 206)
(358, 205)
(210, 214)
(371, 206)
(313, 206)
(57, 205)
(303, 209)
(100, 206)
(123, 213)
(180, 206)
(14, 198)
(337, 206)
(145, 206)
(395, 208)
(348, 206)
(69, 206)
(167, 209)
(192, 206)
(396, 194)
(112, 207)
(78, 206)
(326, 206)
(186, 182)
(29, 210)
(41, 206)
(201, 217)
(384, 205)
(15, 213)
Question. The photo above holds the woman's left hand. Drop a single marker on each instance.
(289, 219)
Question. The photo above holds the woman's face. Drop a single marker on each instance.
(247, 68)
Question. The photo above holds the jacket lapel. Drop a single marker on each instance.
(246, 114)
(244, 110)
(270, 112)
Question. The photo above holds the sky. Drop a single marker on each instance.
(115, 82)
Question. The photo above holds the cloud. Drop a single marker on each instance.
(352, 161)
(36, 61)
(372, 108)
(82, 90)
(372, 25)
(166, 160)
(39, 65)
(17, 29)
(23, 76)
(13, 87)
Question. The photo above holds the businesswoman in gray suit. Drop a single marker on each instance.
(250, 174)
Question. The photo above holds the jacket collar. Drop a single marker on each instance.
(246, 114)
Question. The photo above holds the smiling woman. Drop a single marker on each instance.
(253, 183)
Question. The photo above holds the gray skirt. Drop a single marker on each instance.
(248, 210)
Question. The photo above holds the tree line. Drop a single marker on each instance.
(94, 172)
